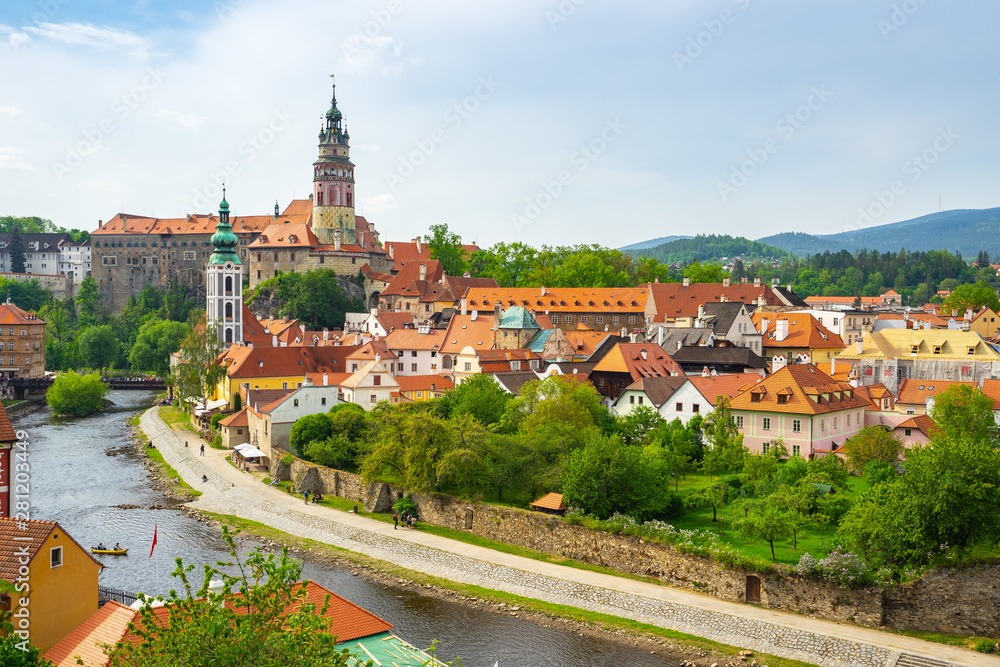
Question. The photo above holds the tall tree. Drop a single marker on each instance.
(88, 302)
(99, 346)
(16, 250)
(727, 448)
(767, 521)
(446, 247)
(154, 345)
(964, 412)
(199, 371)
(971, 297)
(872, 444)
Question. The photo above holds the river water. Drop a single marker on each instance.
(74, 482)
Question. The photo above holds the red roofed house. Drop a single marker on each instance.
(22, 339)
(627, 362)
(795, 338)
(678, 302)
(372, 384)
(269, 426)
(804, 407)
(401, 252)
(53, 572)
(423, 387)
(361, 632)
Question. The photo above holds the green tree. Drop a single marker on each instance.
(98, 346)
(16, 652)
(964, 412)
(480, 396)
(705, 273)
(88, 302)
(446, 247)
(316, 298)
(767, 521)
(76, 395)
(710, 496)
(334, 452)
(307, 429)
(727, 449)
(639, 425)
(872, 444)
(269, 623)
(509, 263)
(154, 345)
(198, 371)
(608, 476)
(971, 297)
(27, 225)
(16, 250)
(351, 421)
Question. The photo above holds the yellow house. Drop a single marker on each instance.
(276, 367)
(423, 387)
(56, 580)
(797, 338)
(986, 323)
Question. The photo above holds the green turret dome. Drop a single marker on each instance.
(224, 240)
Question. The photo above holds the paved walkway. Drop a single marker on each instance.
(230, 491)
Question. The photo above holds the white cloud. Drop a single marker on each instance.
(9, 112)
(191, 121)
(11, 158)
(362, 55)
(379, 204)
(83, 34)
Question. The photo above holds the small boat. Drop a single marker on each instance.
(110, 552)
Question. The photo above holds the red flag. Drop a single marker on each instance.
(154, 542)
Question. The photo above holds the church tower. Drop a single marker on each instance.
(333, 181)
(224, 272)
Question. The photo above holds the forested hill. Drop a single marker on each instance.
(966, 231)
(652, 243)
(710, 248)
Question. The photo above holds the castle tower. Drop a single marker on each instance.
(224, 272)
(333, 180)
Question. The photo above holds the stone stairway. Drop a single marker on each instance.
(911, 660)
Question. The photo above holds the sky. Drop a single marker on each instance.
(541, 121)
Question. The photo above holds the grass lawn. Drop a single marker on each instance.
(176, 418)
(816, 540)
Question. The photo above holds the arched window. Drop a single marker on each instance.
(229, 310)
(319, 198)
(229, 284)
(349, 199)
(229, 335)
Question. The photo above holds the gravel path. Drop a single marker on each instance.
(230, 491)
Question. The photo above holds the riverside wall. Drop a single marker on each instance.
(965, 601)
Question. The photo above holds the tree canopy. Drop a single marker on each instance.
(75, 395)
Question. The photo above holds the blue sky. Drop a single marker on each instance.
(543, 121)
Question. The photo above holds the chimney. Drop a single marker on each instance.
(217, 587)
(543, 290)
(642, 353)
(497, 314)
(124, 223)
(424, 328)
(100, 224)
(326, 379)
(833, 366)
(659, 337)
(756, 281)
(631, 337)
(701, 312)
(336, 239)
(423, 271)
(307, 381)
(687, 281)
(764, 323)
(704, 371)
(417, 241)
(860, 343)
(781, 329)
(774, 282)
(392, 250)
(302, 328)
(743, 280)
(968, 314)
(465, 306)
(680, 344)
(326, 334)
(725, 281)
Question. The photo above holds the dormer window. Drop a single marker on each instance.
(782, 399)
(914, 348)
(937, 349)
(972, 350)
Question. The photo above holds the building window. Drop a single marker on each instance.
(583, 319)
(400, 367)
(631, 399)
(468, 366)
(767, 424)
(189, 254)
(835, 423)
(679, 407)
(640, 402)
(555, 319)
(295, 403)
(765, 447)
(848, 418)
(413, 353)
(615, 319)
(413, 368)
(695, 407)
(373, 399)
(284, 385)
(907, 432)
(796, 450)
(55, 557)
(377, 380)
(796, 426)
(322, 401)
(600, 319)
(631, 319)
(569, 319)
(822, 424)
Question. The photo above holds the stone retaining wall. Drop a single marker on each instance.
(956, 601)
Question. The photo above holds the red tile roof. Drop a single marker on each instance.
(12, 534)
(675, 300)
(105, 626)
(406, 251)
(11, 314)
(391, 321)
(722, 385)
(412, 339)
(804, 331)
(260, 362)
(916, 392)
(7, 433)
(560, 299)
(464, 331)
(285, 234)
(638, 360)
(922, 423)
(408, 282)
(424, 382)
(236, 419)
(193, 224)
(808, 390)
(551, 501)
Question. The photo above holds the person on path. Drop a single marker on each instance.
(203, 449)
(410, 521)
(306, 495)
(395, 521)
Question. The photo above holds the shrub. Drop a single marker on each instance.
(843, 568)
(76, 395)
(406, 504)
(287, 459)
(986, 646)
(334, 452)
(309, 429)
(237, 402)
(216, 418)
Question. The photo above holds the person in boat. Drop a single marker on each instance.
(100, 546)
(118, 546)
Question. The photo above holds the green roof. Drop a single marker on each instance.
(388, 649)
(517, 317)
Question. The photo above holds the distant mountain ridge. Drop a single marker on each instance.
(961, 230)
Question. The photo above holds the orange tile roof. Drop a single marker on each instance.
(922, 423)
(876, 394)
(551, 501)
(424, 382)
(408, 282)
(391, 321)
(260, 362)
(276, 326)
(629, 358)
(804, 331)
(12, 539)
(674, 300)
(105, 626)
(370, 350)
(811, 392)
(464, 331)
(499, 361)
(236, 419)
(7, 433)
(722, 385)
(332, 379)
(560, 299)
(916, 392)
(412, 339)
(11, 314)
(192, 224)
(253, 330)
(846, 300)
(285, 234)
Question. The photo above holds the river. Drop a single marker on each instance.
(74, 482)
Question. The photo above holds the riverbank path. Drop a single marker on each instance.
(231, 491)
